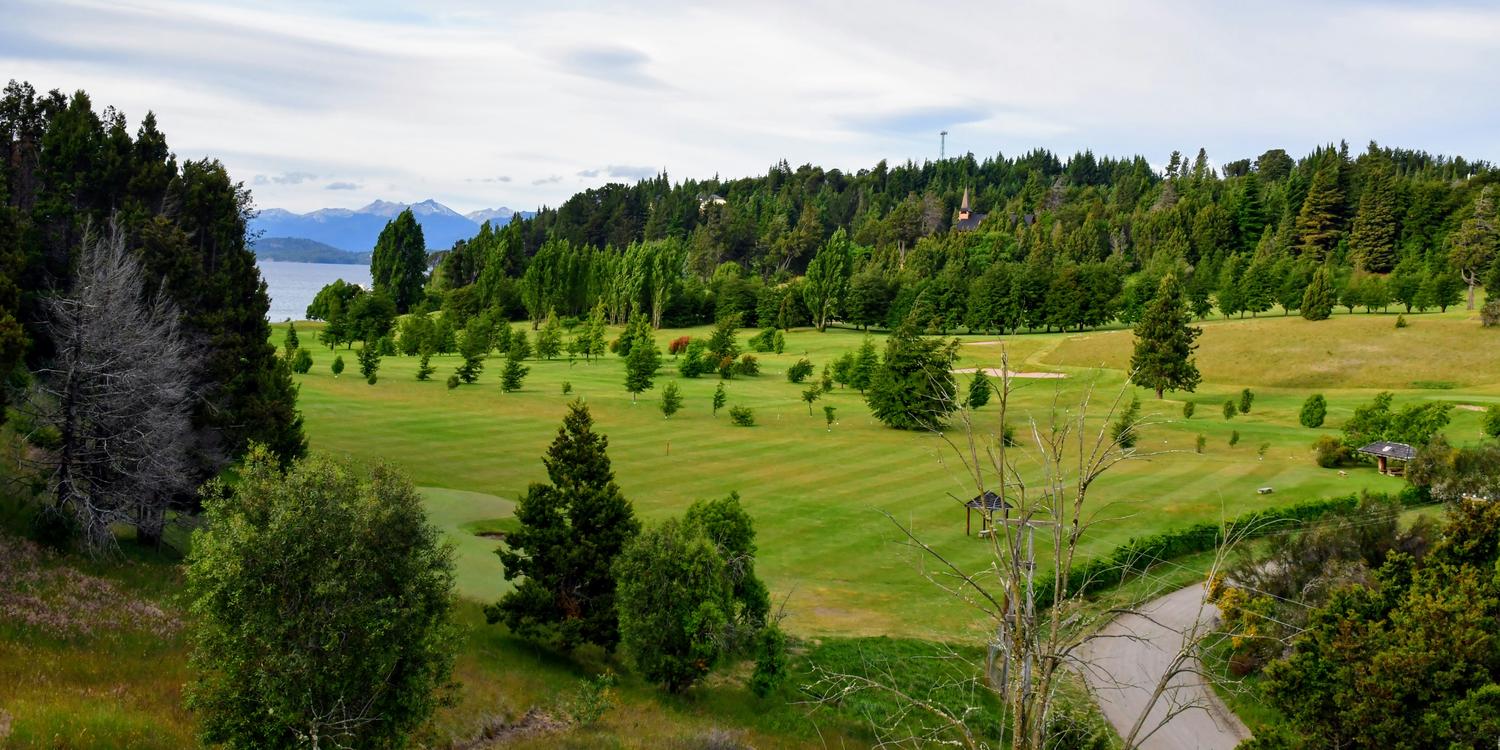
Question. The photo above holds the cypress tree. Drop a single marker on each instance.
(562, 557)
(1318, 225)
(979, 389)
(399, 261)
(1165, 341)
(720, 398)
(1318, 300)
(671, 400)
(514, 372)
(291, 344)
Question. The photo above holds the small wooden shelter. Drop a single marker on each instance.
(989, 502)
(1390, 457)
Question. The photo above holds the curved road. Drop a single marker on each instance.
(1124, 672)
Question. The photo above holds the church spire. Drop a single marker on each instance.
(963, 208)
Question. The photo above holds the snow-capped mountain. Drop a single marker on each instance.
(355, 230)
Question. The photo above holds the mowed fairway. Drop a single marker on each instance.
(818, 495)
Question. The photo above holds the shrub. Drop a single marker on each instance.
(770, 662)
(1314, 411)
(1188, 407)
(726, 367)
(1229, 410)
(1331, 452)
(1125, 429)
(1401, 321)
(764, 341)
(674, 601)
(368, 632)
(679, 345)
(1234, 438)
(799, 371)
(453, 381)
(778, 342)
(748, 365)
(567, 387)
(302, 362)
(1489, 315)
(338, 365)
(1261, 451)
(742, 416)
(1246, 399)
(1492, 421)
(1200, 443)
(592, 698)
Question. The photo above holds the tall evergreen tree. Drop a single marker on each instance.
(1474, 246)
(913, 387)
(1373, 239)
(1165, 341)
(562, 557)
(291, 344)
(399, 261)
(1318, 223)
(1318, 300)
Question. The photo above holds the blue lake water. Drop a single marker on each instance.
(292, 286)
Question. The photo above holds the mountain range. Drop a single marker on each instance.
(355, 230)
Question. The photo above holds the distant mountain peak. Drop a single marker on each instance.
(501, 215)
(355, 230)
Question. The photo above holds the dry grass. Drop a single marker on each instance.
(1345, 351)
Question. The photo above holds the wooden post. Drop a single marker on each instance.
(968, 520)
(1380, 460)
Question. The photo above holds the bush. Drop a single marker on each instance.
(453, 381)
(748, 365)
(674, 602)
(1246, 399)
(1331, 452)
(368, 631)
(770, 662)
(799, 371)
(1188, 407)
(338, 365)
(1314, 411)
(1489, 315)
(1401, 321)
(1229, 410)
(764, 341)
(1201, 443)
(302, 363)
(1234, 438)
(679, 345)
(742, 416)
(567, 387)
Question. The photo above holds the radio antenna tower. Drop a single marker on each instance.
(942, 145)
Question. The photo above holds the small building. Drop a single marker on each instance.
(1390, 458)
(967, 219)
(988, 502)
(710, 199)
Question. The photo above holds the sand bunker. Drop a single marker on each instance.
(996, 372)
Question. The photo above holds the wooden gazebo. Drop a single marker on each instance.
(1390, 457)
(989, 502)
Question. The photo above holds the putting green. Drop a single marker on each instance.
(477, 570)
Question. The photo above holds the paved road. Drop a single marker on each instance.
(1126, 671)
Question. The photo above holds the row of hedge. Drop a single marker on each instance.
(1141, 553)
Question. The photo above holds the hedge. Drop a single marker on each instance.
(1140, 553)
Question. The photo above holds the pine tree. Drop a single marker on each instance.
(979, 389)
(338, 365)
(398, 263)
(290, 345)
(720, 398)
(369, 361)
(562, 557)
(1472, 248)
(1372, 242)
(1317, 301)
(671, 400)
(913, 387)
(865, 364)
(514, 373)
(424, 365)
(475, 346)
(1318, 223)
(1165, 341)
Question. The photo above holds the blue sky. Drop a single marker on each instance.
(481, 104)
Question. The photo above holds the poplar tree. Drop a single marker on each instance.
(562, 557)
(398, 263)
(1165, 341)
(827, 279)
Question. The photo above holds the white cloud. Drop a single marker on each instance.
(408, 104)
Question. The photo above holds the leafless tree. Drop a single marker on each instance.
(115, 399)
(1035, 537)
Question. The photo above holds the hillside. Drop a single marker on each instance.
(299, 250)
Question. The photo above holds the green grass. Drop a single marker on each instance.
(818, 495)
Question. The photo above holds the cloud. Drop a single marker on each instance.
(588, 173)
(547, 180)
(614, 64)
(633, 173)
(341, 186)
(285, 178)
(501, 178)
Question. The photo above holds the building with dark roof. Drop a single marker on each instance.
(967, 220)
(1386, 452)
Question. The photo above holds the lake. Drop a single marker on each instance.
(292, 286)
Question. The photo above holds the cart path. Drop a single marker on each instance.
(1125, 671)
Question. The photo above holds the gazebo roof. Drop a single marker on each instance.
(988, 501)
(1398, 451)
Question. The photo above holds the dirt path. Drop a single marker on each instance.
(1126, 671)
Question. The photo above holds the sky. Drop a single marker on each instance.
(486, 104)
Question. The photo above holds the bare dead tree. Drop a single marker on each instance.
(115, 399)
(1042, 629)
